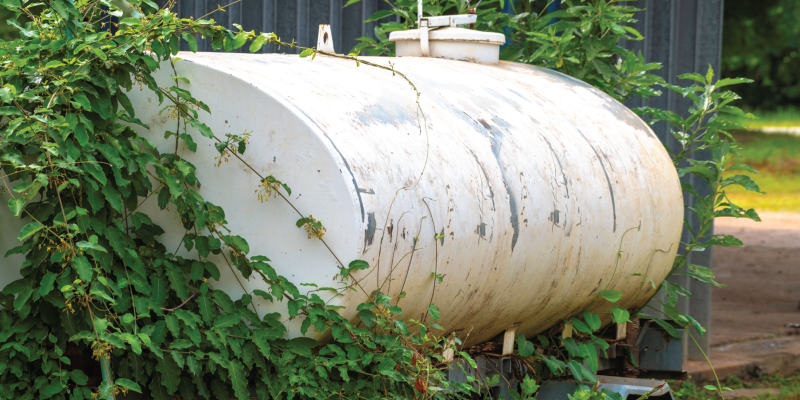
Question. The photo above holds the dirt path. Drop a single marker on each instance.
(763, 279)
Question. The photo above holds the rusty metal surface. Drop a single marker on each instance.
(518, 193)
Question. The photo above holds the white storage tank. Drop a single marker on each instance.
(517, 190)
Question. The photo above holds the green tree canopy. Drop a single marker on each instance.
(762, 42)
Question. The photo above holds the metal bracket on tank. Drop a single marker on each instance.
(423, 38)
(426, 23)
(325, 39)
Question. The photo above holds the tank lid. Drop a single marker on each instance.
(450, 43)
(450, 34)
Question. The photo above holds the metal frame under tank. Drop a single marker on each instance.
(659, 357)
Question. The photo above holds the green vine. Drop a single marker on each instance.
(97, 285)
(583, 40)
(97, 282)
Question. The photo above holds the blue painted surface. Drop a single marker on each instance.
(553, 7)
(508, 8)
(658, 351)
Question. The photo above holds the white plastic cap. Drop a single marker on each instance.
(452, 43)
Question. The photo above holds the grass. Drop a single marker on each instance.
(789, 388)
(777, 158)
(785, 117)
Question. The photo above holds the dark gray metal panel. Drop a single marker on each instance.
(286, 23)
(335, 19)
(684, 36)
(318, 13)
(296, 20)
(301, 23)
(351, 27)
(253, 15)
(707, 53)
(368, 7)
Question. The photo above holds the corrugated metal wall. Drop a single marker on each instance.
(684, 36)
(290, 19)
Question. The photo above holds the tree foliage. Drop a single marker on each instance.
(762, 41)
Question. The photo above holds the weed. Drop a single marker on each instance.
(789, 387)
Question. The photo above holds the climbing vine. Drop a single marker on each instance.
(96, 283)
(583, 40)
(104, 308)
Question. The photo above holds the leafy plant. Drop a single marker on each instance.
(97, 283)
(580, 40)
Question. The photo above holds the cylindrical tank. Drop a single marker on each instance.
(516, 186)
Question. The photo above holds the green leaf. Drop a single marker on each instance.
(261, 340)
(238, 380)
(29, 230)
(580, 326)
(113, 197)
(23, 295)
(741, 167)
(382, 14)
(434, 311)
(91, 246)
(6, 95)
(9, 110)
(16, 205)
(190, 40)
(54, 64)
(79, 377)
(173, 325)
(722, 241)
(212, 270)
(744, 181)
(82, 101)
(667, 327)
(709, 74)
(524, 347)
(207, 308)
(306, 53)
(47, 283)
(592, 320)
(51, 389)
(731, 81)
(239, 40)
(694, 77)
(128, 384)
(619, 315)
(158, 391)
(358, 264)
(83, 268)
(177, 281)
(257, 44)
(198, 269)
(203, 128)
(227, 320)
(180, 344)
(294, 306)
(611, 295)
(170, 373)
(528, 386)
(710, 387)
